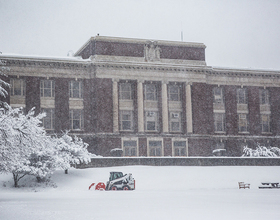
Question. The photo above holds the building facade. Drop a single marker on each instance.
(149, 98)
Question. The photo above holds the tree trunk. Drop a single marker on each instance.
(15, 180)
(17, 177)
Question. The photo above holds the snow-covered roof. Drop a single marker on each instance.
(40, 57)
(236, 69)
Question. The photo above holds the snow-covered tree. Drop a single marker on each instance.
(20, 136)
(261, 151)
(58, 154)
(3, 84)
(72, 151)
(43, 162)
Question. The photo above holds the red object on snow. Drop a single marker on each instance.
(100, 186)
(91, 186)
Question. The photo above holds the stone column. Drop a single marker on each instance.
(189, 109)
(115, 106)
(140, 104)
(164, 107)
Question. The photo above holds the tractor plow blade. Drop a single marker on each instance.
(100, 186)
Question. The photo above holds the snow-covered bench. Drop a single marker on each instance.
(243, 185)
(269, 185)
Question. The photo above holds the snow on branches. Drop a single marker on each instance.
(20, 136)
(26, 149)
(261, 151)
(3, 84)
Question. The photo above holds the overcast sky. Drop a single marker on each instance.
(237, 33)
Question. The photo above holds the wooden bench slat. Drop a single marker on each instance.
(243, 185)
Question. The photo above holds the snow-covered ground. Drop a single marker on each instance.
(161, 193)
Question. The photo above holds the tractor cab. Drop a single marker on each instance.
(115, 175)
(117, 181)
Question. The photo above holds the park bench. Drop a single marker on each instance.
(269, 185)
(243, 185)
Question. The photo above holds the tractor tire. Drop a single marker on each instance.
(126, 188)
(114, 188)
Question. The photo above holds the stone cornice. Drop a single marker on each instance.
(243, 73)
(41, 63)
(151, 66)
(154, 68)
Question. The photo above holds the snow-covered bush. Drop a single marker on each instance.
(58, 153)
(71, 151)
(275, 150)
(43, 162)
(116, 152)
(219, 152)
(261, 151)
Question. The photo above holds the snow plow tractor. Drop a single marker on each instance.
(117, 181)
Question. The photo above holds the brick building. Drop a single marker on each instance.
(150, 98)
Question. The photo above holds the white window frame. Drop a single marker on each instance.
(80, 119)
(149, 148)
(130, 148)
(151, 116)
(218, 93)
(151, 95)
(242, 96)
(268, 124)
(49, 117)
(243, 123)
(122, 120)
(264, 97)
(222, 122)
(43, 89)
(72, 90)
(175, 117)
(179, 147)
(22, 86)
(125, 94)
(174, 96)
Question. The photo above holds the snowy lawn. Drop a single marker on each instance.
(161, 193)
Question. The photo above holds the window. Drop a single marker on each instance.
(151, 121)
(242, 123)
(218, 95)
(76, 119)
(125, 91)
(174, 93)
(76, 89)
(155, 148)
(241, 96)
(150, 92)
(264, 96)
(175, 121)
(219, 122)
(265, 123)
(47, 88)
(48, 121)
(17, 87)
(130, 148)
(179, 148)
(126, 119)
